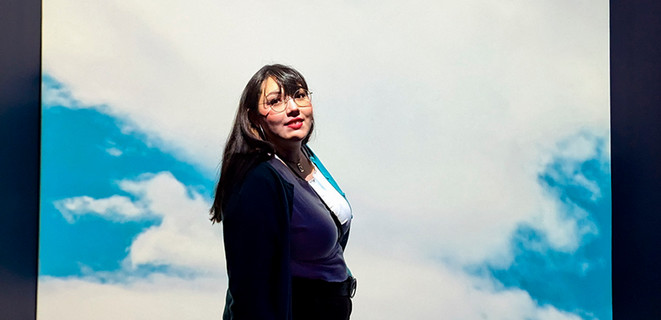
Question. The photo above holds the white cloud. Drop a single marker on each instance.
(565, 233)
(185, 237)
(156, 297)
(177, 70)
(388, 289)
(116, 208)
(572, 153)
(407, 288)
(469, 215)
(52, 96)
(114, 152)
(184, 240)
(395, 284)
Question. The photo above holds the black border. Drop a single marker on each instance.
(635, 149)
(636, 157)
(20, 118)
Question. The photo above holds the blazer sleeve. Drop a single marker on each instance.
(255, 224)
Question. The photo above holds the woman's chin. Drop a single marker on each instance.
(289, 139)
(296, 138)
(297, 135)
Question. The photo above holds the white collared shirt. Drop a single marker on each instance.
(333, 199)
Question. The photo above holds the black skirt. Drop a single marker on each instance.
(321, 300)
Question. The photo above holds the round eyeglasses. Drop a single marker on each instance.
(278, 102)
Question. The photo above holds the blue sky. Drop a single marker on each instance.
(78, 159)
(579, 280)
(471, 138)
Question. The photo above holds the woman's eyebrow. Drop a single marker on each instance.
(272, 92)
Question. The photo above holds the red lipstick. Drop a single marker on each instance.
(295, 123)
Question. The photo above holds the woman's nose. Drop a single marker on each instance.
(290, 104)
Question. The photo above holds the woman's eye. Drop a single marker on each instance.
(273, 101)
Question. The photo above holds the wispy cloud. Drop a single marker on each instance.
(184, 238)
(573, 224)
(116, 208)
(56, 96)
(114, 152)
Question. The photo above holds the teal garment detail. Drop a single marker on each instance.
(330, 179)
(323, 170)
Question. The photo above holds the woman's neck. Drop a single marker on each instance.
(296, 160)
(290, 153)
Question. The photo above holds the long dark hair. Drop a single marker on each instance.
(246, 145)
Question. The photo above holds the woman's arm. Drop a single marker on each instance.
(255, 225)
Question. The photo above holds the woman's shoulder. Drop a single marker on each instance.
(263, 171)
(261, 191)
(262, 177)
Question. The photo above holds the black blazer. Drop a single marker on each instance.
(256, 236)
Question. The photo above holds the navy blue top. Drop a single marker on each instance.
(315, 249)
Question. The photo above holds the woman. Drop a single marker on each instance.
(285, 220)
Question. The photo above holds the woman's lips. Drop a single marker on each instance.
(295, 124)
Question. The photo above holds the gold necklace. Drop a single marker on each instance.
(298, 164)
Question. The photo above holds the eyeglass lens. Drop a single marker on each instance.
(277, 103)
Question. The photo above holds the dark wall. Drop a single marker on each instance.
(20, 72)
(636, 157)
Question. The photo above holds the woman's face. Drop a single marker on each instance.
(289, 126)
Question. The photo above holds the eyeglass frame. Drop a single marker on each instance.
(285, 101)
